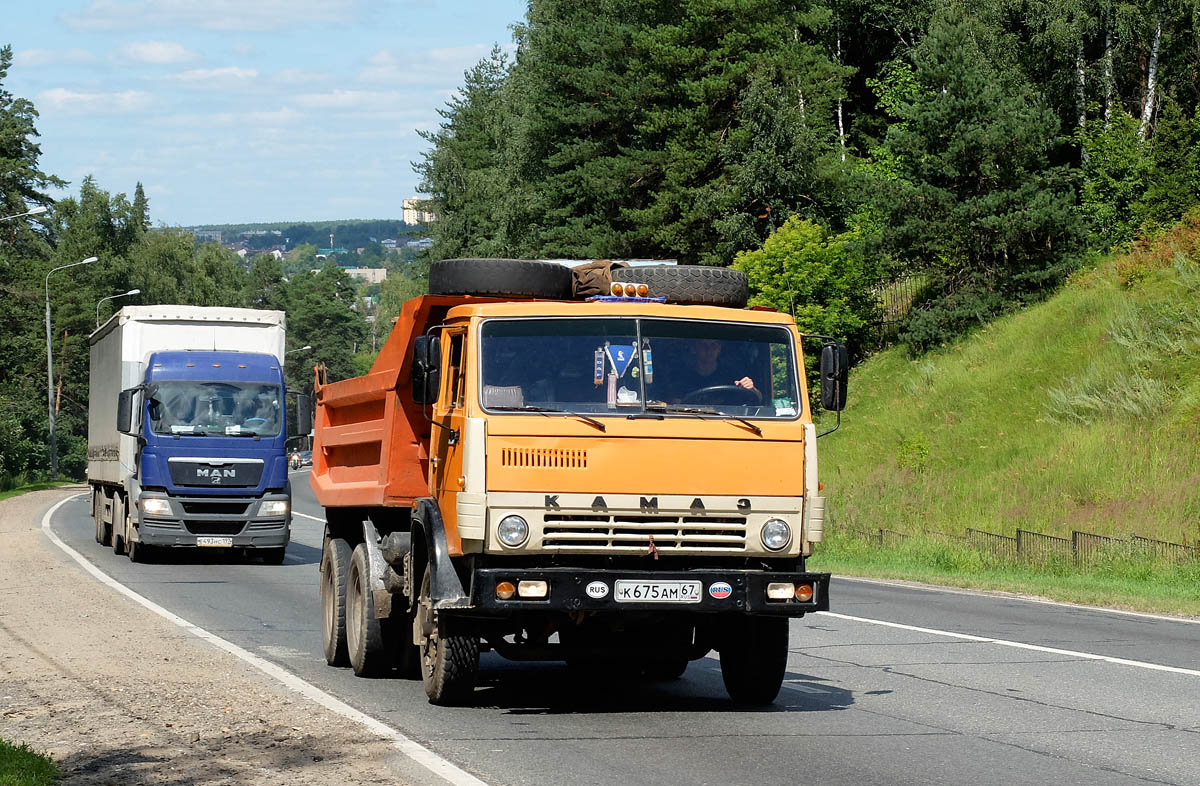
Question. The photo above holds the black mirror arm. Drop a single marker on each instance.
(836, 426)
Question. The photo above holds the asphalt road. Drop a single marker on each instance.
(863, 703)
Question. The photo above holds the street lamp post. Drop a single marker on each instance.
(37, 211)
(50, 369)
(112, 297)
(304, 348)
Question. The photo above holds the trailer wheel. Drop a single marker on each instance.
(513, 277)
(98, 513)
(118, 523)
(365, 640)
(690, 284)
(335, 564)
(449, 661)
(754, 658)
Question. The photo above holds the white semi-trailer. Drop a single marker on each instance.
(186, 430)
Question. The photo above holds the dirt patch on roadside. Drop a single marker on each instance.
(118, 695)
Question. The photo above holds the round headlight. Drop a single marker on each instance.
(512, 531)
(776, 534)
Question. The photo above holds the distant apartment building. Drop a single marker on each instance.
(414, 215)
(372, 275)
(206, 235)
(389, 243)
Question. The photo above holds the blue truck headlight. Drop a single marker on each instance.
(776, 534)
(513, 531)
(156, 506)
(273, 507)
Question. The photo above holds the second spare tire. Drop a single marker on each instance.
(690, 284)
(501, 277)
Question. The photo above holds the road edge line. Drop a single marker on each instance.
(431, 761)
(1017, 644)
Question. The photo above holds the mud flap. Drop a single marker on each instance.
(446, 587)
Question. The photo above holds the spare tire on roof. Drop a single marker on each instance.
(690, 284)
(500, 277)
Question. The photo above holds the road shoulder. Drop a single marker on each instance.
(116, 694)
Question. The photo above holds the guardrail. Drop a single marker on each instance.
(1032, 546)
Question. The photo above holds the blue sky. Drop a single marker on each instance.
(232, 111)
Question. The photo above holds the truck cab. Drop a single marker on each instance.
(621, 481)
(212, 468)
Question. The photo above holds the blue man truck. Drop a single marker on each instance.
(186, 431)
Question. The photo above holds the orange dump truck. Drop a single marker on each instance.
(626, 481)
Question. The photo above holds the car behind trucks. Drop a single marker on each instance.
(186, 430)
(558, 480)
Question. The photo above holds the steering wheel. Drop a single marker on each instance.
(748, 395)
(251, 421)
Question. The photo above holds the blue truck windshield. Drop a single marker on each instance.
(247, 409)
(623, 366)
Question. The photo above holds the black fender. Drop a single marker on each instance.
(446, 586)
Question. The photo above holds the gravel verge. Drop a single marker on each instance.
(117, 695)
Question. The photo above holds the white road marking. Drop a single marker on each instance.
(414, 750)
(1043, 601)
(306, 516)
(1017, 644)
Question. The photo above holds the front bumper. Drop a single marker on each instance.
(234, 518)
(572, 589)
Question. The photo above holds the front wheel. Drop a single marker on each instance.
(118, 524)
(335, 564)
(449, 660)
(754, 658)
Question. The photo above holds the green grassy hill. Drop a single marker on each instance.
(1079, 413)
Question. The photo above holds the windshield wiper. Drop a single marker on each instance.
(704, 413)
(551, 411)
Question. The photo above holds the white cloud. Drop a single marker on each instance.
(31, 58)
(219, 75)
(434, 67)
(347, 99)
(158, 53)
(75, 102)
(228, 15)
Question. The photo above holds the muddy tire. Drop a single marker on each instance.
(690, 284)
(118, 524)
(335, 565)
(754, 658)
(365, 642)
(500, 277)
(449, 660)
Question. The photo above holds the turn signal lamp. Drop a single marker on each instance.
(533, 589)
(804, 592)
(779, 590)
(505, 590)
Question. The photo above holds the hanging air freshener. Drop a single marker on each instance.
(647, 362)
(598, 373)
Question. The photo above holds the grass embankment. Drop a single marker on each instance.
(19, 766)
(1079, 413)
(28, 487)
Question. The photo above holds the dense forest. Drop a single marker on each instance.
(974, 152)
(968, 156)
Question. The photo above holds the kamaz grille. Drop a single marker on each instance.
(632, 534)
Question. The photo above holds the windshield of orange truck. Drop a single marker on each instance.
(215, 408)
(622, 366)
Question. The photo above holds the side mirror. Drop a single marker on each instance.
(125, 420)
(426, 369)
(835, 373)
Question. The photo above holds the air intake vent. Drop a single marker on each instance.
(543, 458)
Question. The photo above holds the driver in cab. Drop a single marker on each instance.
(703, 369)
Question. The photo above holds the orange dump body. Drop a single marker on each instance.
(371, 443)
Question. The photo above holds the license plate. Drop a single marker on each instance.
(210, 541)
(628, 591)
